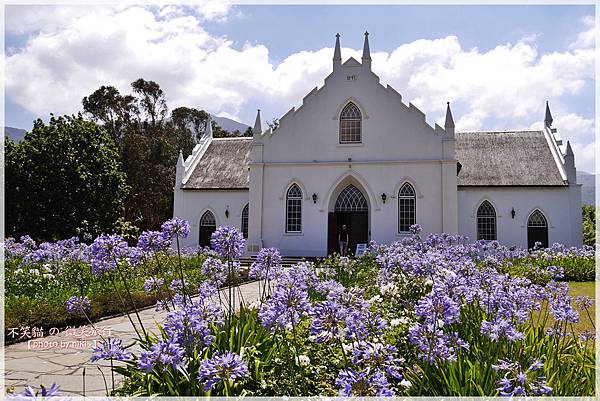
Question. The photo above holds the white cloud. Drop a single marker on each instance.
(71, 51)
(585, 156)
(587, 38)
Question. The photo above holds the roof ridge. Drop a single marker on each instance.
(246, 138)
(500, 132)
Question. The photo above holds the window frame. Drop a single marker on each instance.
(297, 199)
(244, 218)
(206, 213)
(406, 198)
(537, 212)
(483, 221)
(350, 115)
(353, 200)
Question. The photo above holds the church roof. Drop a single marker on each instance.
(517, 158)
(224, 165)
(510, 158)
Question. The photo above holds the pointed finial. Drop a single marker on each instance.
(257, 130)
(569, 151)
(548, 119)
(449, 120)
(180, 158)
(337, 53)
(208, 132)
(366, 57)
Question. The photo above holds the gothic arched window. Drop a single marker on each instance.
(537, 230)
(208, 225)
(293, 210)
(245, 221)
(407, 207)
(486, 221)
(350, 124)
(351, 200)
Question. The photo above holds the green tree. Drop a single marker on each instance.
(114, 111)
(588, 214)
(248, 132)
(149, 144)
(151, 99)
(63, 179)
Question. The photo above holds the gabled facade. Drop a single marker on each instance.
(353, 153)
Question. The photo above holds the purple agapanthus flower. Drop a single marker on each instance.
(110, 349)
(78, 305)
(517, 382)
(584, 302)
(178, 285)
(365, 383)
(379, 356)
(189, 325)
(175, 228)
(228, 242)
(220, 368)
(215, 271)
(329, 321)
(285, 308)
(153, 284)
(106, 251)
(164, 354)
(267, 265)
(153, 241)
(30, 394)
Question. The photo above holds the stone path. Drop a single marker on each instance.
(62, 358)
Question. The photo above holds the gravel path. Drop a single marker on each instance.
(62, 358)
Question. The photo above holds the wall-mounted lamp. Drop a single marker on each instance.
(227, 212)
(383, 197)
(512, 212)
(314, 197)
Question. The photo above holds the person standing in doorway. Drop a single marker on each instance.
(344, 238)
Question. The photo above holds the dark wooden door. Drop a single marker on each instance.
(359, 232)
(537, 234)
(332, 231)
(205, 234)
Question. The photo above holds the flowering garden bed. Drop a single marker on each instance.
(40, 279)
(431, 316)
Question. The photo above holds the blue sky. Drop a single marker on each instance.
(232, 59)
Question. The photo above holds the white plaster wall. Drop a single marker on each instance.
(327, 181)
(556, 204)
(397, 145)
(191, 205)
(391, 130)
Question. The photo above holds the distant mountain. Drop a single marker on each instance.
(588, 187)
(16, 134)
(229, 124)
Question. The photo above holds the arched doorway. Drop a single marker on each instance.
(208, 225)
(537, 229)
(352, 210)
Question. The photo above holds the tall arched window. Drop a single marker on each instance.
(350, 124)
(208, 225)
(486, 221)
(407, 207)
(245, 221)
(293, 213)
(537, 229)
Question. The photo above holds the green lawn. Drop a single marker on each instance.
(577, 289)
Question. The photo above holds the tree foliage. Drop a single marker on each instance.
(63, 179)
(588, 214)
(57, 186)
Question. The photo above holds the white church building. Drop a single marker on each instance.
(355, 154)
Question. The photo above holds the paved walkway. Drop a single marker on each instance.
(62, 358)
